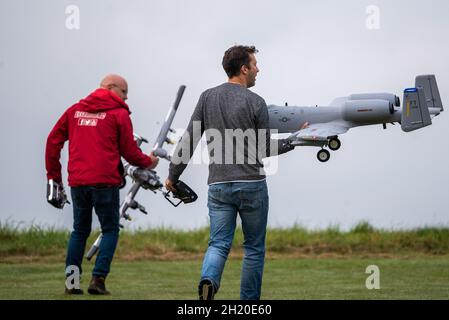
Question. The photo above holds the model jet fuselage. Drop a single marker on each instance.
(420, 104)
(289, 119)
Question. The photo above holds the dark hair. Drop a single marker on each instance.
(236, 57)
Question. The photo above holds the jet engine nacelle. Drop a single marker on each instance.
(393, 99)
(367, 111)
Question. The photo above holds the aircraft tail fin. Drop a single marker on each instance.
(415, 110)
(431, 92)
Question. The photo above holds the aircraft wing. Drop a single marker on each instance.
(320, 131)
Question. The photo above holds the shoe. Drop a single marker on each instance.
(73, 291)
(206, 290)
(97, 286)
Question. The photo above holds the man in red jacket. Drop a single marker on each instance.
(99, 131)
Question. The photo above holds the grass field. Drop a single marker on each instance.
(330, 278)
(301, 264)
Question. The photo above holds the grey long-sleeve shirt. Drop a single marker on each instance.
(235, 121)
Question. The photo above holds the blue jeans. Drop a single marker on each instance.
(225, 200)
(106, 202)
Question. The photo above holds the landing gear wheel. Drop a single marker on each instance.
(334, 144)
(323, 155)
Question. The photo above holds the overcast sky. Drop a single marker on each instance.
(310, 53)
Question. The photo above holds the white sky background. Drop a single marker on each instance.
(310, 53)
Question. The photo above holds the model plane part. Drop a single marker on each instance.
(367, 111)
(144, 178)
(326, 123)
(319, 132)
(393, 99)
(415, 113)
(431, 92)
(166, 127)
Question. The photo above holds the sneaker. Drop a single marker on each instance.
(97, 286)
(73, 291)
(206, 290)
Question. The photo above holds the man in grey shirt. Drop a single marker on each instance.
(235, 121)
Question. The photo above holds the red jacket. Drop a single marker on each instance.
(99, 131)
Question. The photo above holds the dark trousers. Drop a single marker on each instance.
(106, 202)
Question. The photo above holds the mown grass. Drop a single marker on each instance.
(16, 241)
(305, 278)
(301, 264)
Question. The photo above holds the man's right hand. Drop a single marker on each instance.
(154, 161)
(169, 185)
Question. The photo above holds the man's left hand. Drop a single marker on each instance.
(304, 126)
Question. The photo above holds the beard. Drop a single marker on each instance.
(251, 82)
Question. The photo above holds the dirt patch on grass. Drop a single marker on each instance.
(151, 255)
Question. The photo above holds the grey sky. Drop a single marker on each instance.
(310, 53)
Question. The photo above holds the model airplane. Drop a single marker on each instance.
(148, 179)
(420, 104)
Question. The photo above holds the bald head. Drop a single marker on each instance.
(116, 84)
